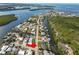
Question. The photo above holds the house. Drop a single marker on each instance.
(4, 47)
(25, 29)
(45, 52)
(42, 33)
(21, 52)
(29, 52)
(9, 49)
(49, 39)
(18, 26)
(33, 29)
(33, 32)
(24, 42)
(2, 52)
(30, 41)
(20, 38)
(14, 49)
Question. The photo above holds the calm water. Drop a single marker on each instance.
(24, 14)
(21, 15)
(74, 8)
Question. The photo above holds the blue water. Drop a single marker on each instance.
(22, 15)
(73, 8)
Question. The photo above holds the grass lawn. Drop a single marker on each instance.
(33, 41)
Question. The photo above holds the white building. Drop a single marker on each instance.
(29, 52)
(20, 38)
(21, 52)
(9, 49)
(30, 41)
(45, 52)
(4, 47)
(2, 52)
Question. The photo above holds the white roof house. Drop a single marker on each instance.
(11, 44)
(30, 41)
(9, 49)
(49, 39)
(24, 42)
(42, 33)
(18, 26)
(14, 49)
(51, 53)
(43, 38)
(33, 32)
(20, 38)
(21, 52)
(4, 47)
(25, 29)
(2, 52)
(29, 52)
(33, 29)
(45, 52)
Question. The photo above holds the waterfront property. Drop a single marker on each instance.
(37, 36)
(19, 40)
(28, 38)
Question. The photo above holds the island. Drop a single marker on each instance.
(5, 19)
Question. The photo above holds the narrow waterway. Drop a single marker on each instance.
(52, 42)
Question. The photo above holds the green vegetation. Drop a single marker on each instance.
(68, 31)
(5, 19)
(34, 16)
(33, 41)
(39, 43)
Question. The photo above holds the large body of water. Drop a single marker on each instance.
(73, 8)
(25, 14)
(22, 15)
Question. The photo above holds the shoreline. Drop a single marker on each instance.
(27, 31)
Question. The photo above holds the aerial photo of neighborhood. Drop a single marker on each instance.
(39, 29)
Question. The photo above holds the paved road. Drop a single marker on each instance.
(37, 32)
(37, 35)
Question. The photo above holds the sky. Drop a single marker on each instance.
(39, 1)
